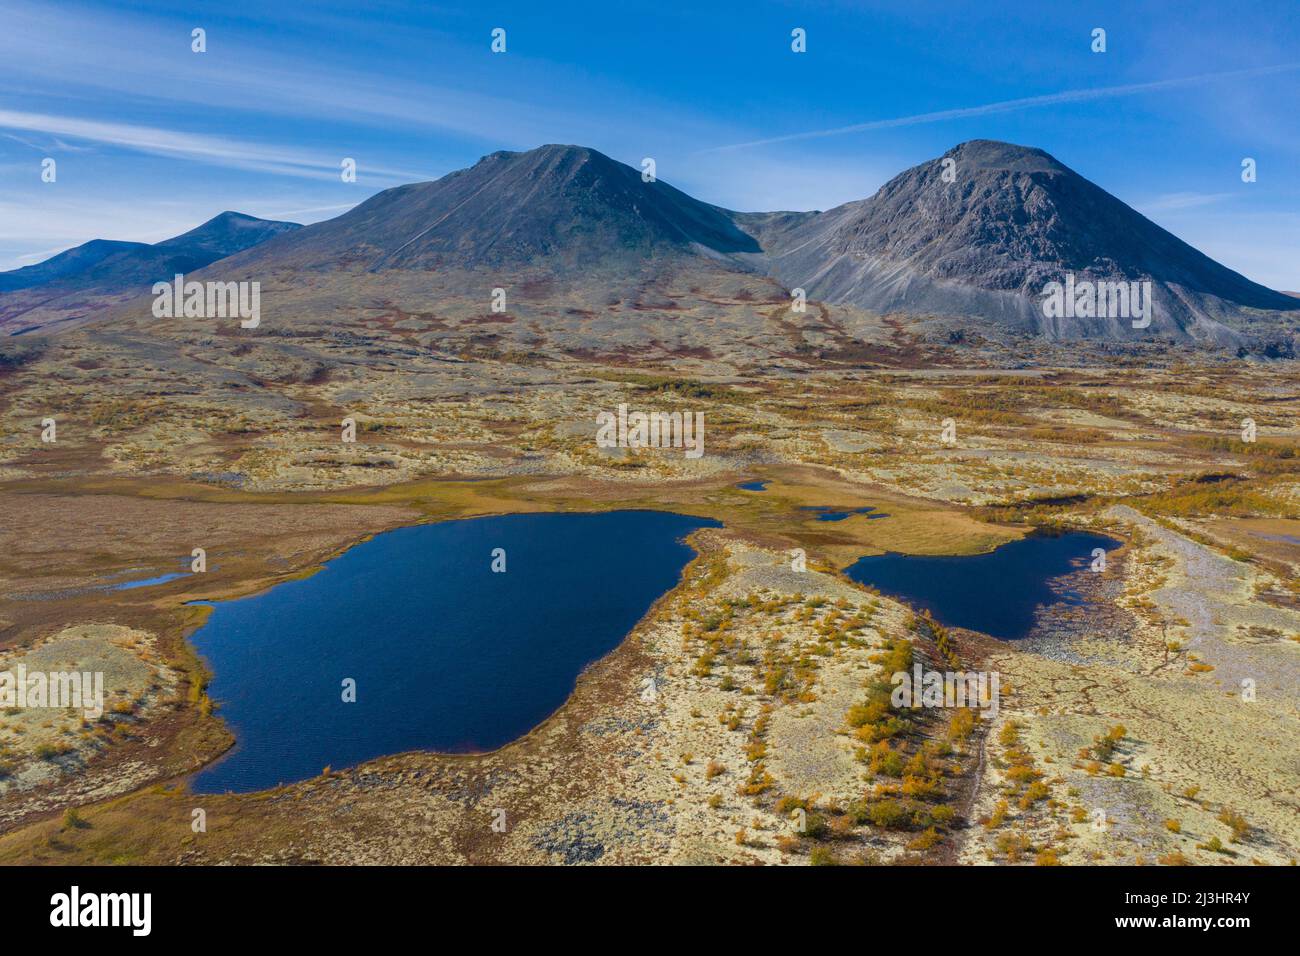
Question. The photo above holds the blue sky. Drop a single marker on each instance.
(151, 138)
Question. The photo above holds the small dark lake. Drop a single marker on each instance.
(832, 513)
(996, 593)
(144, 582)
(447, 654)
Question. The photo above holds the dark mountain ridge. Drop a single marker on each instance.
(985, 244)
(568, 207)
(575, 232)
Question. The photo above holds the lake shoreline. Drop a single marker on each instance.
(372, 622)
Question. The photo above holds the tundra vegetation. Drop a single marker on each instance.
(1122, 737)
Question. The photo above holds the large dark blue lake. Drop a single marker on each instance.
(997, 593)
(447, 654)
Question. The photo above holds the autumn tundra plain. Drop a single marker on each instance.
(768, 705)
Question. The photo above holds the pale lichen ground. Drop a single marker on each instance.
(47, 748)
(1205, 769)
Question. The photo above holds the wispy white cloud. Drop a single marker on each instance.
(196, 147)
(48, 144)
(312, 211)
(1183, 200)
(1007, 106)
(82, 55)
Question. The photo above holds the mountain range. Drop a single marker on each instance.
(102, 272)
(967, 241)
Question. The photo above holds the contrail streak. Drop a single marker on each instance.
(1007, 106)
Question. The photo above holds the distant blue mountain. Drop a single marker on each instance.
(80, 283)
(107, 266)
